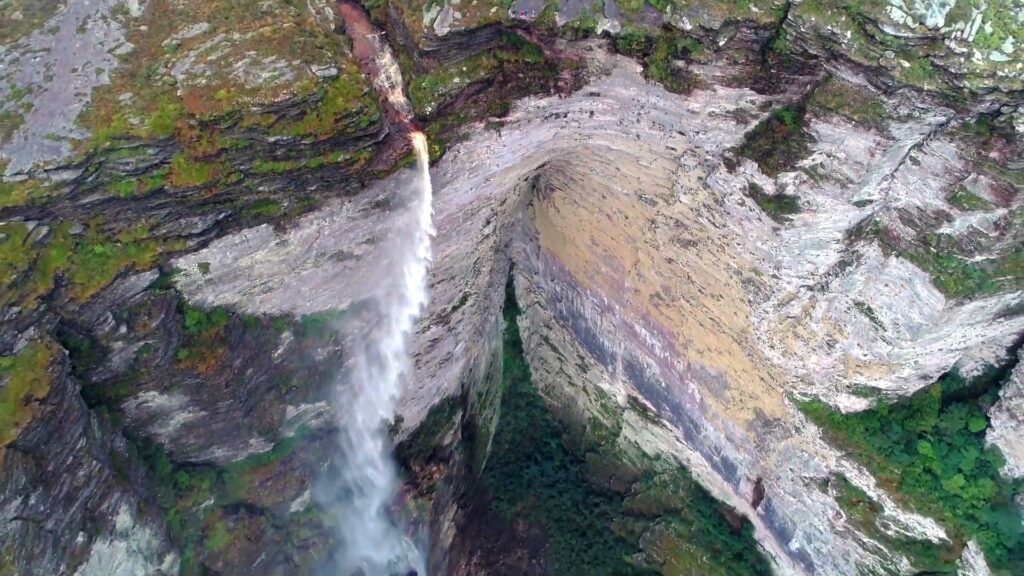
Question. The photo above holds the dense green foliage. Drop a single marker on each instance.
(537, 474)
(778, 206)
(533, 476)
(930, 449)
(777, 143)
(660, 54)
(203, 344)
(194, 498)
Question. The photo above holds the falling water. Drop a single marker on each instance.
(359, 492)
(372, 541)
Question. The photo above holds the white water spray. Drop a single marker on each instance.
(373, 542)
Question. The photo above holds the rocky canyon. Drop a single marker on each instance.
(505, 287)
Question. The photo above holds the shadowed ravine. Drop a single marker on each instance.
(360, 495)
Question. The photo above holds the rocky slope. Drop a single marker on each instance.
(197, 204)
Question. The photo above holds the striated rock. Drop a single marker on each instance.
(640, 257)
(65, 509)
(665, 296)
(1007, 423)
(58, 65)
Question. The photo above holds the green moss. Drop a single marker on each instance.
(661, 65)
(421, 444)
(98, 259)
(428, 92)
(217, 537)
(345, 105)
(929, 450)
(952, 275)
(10, 121)
(20, 193)
(634, 42)
(187, 173)
(26, 380)
(275, 166)
(999, 26)
(780, 42)
(777, 143)
(262, 209)
(920, 73)
(235, 476)
(964, 199)
(780, 207)
(851, 102)
(203, 345)
(579, 29)
(131, 187)
(28, 272)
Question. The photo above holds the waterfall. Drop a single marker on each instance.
(373, 542)
(358, 492)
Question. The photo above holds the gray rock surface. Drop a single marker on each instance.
(58, 65)
(1007, 423)
(639, 253)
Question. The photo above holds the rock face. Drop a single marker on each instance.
(1007, 418)
(64, 462)
(182, 285)
(639, 254)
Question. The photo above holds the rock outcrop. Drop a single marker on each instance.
(830, 210)
(1007, 418)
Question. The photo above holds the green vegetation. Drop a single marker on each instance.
(581, 28)
(27, 268)
(780, 42)
(634, 42)
(19, 193)
(188, 173)
(1000, 26)
(32, 14)
(779, 206)
(321, 326)
(164, 114)
(194, 498)
(275, 166)
(345, 105)
(25, 380)
(261, 209)
(537, 473)
(659, 54)
(852, 102)
(421, 444)
(929, 450)
(921, 73)
(131, 186)
(661, 63)
(99, 259)
(954, 276)
(777, 143)
(864, 512)
(203, 345)
(430, 92)
(964, 199)
(10, 121)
